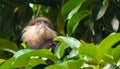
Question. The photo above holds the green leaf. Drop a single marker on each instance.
(70, 41)
(110, 66)
(89, 50)
(105, 2)
(24, 45)
(103, 9)
(60, 23)
(74, 21)
(86, 4)
(2, 60)
(10, 62)
(8, 45)
(55, 66)
(35, 61)
(72, 64)
(90, 67)
(71, 7)
(116, 53)
(73, 53)
(115, 24)
(27, 55)
(95, 7)
(75, 64)
(108, 42)
(7, 64)
(22, 52)
(59, 51)
(108, 56)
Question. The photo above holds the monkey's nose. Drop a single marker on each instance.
(40, 22)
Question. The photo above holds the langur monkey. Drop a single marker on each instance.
(39, 33)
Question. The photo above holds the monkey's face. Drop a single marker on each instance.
(40, 22)
(37, 32)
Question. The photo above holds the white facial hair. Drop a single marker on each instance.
(37, 34)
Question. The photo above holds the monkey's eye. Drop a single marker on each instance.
(38, 23)
(46, 23)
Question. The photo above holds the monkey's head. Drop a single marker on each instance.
(40, 21)
(38, 33)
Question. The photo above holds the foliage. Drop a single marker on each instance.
(84, 26)
(82, 55)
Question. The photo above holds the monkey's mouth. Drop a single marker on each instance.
(41, 27)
